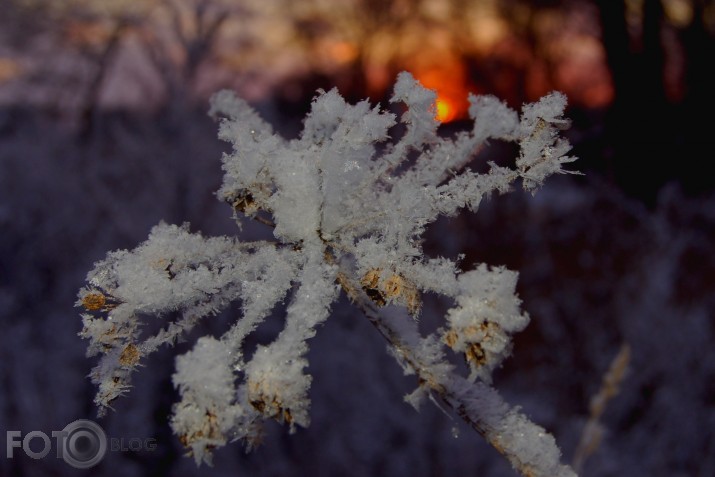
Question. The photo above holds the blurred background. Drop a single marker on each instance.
(104, 132)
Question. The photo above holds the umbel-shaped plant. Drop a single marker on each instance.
(348, 206)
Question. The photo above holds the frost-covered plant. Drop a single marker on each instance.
(348, 205)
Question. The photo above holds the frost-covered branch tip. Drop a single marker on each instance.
(348, 213)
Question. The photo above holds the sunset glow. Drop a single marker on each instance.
(444, 110)
(449, 82)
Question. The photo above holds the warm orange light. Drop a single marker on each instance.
(343, 52)
(448, 80)
(9, 69)
(445, 110)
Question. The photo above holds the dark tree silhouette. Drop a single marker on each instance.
(638, 119)
(645, 131)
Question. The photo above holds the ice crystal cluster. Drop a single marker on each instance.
(348, 205)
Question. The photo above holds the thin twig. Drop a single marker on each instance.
(264, 221)
(593, 430)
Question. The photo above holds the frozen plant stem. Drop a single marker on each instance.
(461, 396)
(346, 216)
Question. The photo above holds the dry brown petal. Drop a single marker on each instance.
(396, 287)
(209, 430)
(94, 301)
(475, 336)
(369, 283)
(130, 356)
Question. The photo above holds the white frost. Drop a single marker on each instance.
(348, 212)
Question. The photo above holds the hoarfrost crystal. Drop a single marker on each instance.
(347, 213)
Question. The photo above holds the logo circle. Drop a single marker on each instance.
(84, 445)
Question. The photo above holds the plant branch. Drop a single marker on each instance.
(454, 391)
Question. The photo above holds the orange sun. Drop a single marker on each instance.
(449, 82)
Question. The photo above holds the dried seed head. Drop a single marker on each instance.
(250, 200)
(268, 405)
(245, 203)
(451, 338)
(94, 301)
(209, 430)
(475, 355)
(370, 283)
(395, 288)
(130, 356)
(371, 278)
(472, 340)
